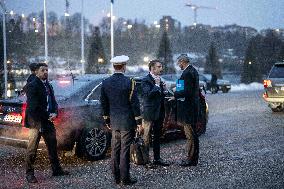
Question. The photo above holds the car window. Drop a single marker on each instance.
(277, 71)
(96, 93)
(66, 88)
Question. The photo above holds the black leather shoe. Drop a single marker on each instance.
(160, 162)
(60, 173)
(117, 180)
(129, 181)
(188, 163)
(31, 179)
(150, 166)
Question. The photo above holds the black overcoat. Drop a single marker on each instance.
(188, 99)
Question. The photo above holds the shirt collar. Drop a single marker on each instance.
(154, 76)
(186, 67)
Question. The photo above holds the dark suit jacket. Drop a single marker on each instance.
(153, 99)
(37, 103)
(116, 103)
(187, 110)
(30, 79)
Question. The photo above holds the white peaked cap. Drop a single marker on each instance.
(117, 60)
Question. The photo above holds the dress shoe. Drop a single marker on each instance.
(150, 166)
(129, 181)
(117, 180)
(188, 163)
(160, 162)
(60, 173)
(31, 179)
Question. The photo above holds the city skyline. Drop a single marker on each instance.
(259, 14)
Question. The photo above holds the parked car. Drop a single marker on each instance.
(274, 87)
(79, 122)
(170, 80)
(222, 85)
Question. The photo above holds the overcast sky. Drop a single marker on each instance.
(259, 14)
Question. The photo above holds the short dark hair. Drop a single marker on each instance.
(183, 58)
(152, 63)
(40, 64)
(33, 66)
(118, 67)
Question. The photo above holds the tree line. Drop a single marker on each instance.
(134, 38)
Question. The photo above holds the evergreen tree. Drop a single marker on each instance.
(96, 59)
(281, 53)
(165, 54)
(251, 68)
(212, 65)
(270, 49)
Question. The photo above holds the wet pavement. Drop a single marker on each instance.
(243, 147)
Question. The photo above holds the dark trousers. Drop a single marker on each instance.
(156, 127)
(192, 143)
(120, 153)
(51, 144)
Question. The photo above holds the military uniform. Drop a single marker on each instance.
(121, 108)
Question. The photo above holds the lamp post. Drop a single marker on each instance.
(2, 3)
(111, 29)
(82, 38)
(45, 32)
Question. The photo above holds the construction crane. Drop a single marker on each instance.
(195, 8)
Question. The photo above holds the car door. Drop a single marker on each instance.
(94, 107)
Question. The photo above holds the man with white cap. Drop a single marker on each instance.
(121, 109)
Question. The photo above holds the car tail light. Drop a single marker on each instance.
(264, 95)
(266, 83)
(13, 117)
(24, 107)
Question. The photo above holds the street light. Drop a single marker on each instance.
(82, 38)
(45, 32)
(111, 30)
(2, 4)
(100, 60)
(146, 59)
(129, 26)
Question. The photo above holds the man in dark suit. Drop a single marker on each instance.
(121, 109)
(40, 113)
(153, 109)
(188, 107)
(31, 77)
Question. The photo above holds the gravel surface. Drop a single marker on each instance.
(242, 148)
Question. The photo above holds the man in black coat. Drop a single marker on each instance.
(153, 109)
(31, 77)
(40, 113)
(121, 109)
(187, 96)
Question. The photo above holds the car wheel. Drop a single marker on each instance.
(214, 90)
(225, 90)
(94, 143)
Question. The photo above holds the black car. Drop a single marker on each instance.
(80, 122)
(274, 87)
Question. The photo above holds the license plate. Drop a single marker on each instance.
(282, 88)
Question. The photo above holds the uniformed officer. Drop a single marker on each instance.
(121, 109)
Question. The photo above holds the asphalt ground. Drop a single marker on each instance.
(243, 147)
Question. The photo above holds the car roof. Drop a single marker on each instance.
(279, 63)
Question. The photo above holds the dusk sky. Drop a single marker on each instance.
(260, 14)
